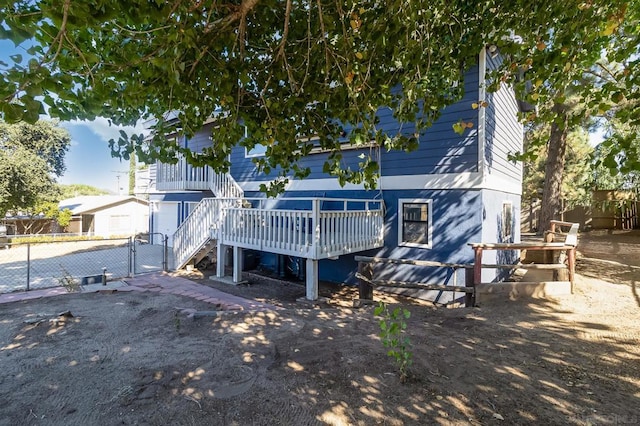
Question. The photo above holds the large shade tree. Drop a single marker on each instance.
(295, 73)
(31, 157)
(579, 176)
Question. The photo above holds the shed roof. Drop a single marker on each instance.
(90, 203)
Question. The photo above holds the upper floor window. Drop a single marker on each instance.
(256, 151)
(415, 222)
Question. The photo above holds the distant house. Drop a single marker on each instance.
(107, 215)
(430, 203)
(25, 225)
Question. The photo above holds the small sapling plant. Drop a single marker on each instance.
(71, 284)
(392, 327)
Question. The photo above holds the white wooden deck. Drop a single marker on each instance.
(312, 233)
(310, 228)
(182, 176)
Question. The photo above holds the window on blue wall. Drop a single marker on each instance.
(256, 151)
(415, 222)
(506, 233)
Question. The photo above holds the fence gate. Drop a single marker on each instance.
(149, 253)
(28, 266)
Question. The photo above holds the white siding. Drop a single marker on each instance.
(165, 219)
(122, 220)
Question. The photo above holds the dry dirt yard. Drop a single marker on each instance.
(137, 359)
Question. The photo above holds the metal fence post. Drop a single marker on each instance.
(28, 264)
(132, 258)
(165, 254)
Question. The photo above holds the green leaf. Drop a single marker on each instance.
(12, 112)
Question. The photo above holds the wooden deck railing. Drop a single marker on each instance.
(310, 232)
(224, 186)
(473, 271)
(182, 176)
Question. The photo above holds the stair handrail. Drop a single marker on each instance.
(223, 185)
(202, 223)
(205, 221)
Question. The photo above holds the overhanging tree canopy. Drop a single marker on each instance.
(293, 70)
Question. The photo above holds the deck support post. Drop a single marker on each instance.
(312, 279)
(237, 264)
(221, 259)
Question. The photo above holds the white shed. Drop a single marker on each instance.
(107, 215)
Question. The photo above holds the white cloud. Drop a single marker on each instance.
(101, 127)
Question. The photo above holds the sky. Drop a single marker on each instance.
(88, 160)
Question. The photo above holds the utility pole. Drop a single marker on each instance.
(118, 173)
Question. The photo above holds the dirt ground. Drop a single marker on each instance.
(137, 359)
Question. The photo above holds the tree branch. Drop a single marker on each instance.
(285, 31)
(324, 40)
(63, 28)
(240, 12)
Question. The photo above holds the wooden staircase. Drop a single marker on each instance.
(195, 237)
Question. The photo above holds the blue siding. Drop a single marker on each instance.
(200, 140)
(504, 132)
(441, 150)
(459, 217)
(457, 220)
(492, 202)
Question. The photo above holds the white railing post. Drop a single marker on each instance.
(224, 186)
(315, 220)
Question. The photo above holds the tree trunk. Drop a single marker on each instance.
(132, 172)
(554, 169)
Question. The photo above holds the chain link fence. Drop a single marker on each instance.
(28, 266)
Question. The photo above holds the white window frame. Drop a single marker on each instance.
(503, 228)
(429, 203)
(253, 154)
(262, 149)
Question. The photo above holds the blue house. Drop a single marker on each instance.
(428, 205)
